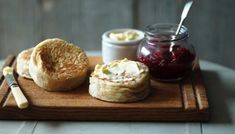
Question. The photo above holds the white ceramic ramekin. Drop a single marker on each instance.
(116, 50)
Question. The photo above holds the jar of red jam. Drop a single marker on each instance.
(169, 57)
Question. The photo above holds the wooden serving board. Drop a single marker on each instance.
(181, 101)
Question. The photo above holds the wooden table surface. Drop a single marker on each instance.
(219, 81)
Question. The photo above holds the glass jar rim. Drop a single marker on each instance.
(165, 32)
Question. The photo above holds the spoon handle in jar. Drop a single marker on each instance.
(184, 14)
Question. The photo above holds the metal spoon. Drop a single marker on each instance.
(184, 15)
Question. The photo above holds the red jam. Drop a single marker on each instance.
(169, 56)
(167, 62)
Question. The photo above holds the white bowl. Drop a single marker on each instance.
(116, 50)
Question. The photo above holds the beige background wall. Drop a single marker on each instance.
(24, 23)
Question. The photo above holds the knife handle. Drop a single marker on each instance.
(20, 99)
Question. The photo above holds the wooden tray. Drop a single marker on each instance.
(182, 101)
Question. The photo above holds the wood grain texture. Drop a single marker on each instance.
(165, 103)
(200, 90)
(188, 94)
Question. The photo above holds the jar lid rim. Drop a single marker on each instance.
(167, 30)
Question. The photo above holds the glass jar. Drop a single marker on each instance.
(169, 57)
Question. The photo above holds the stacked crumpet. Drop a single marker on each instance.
(54, 65)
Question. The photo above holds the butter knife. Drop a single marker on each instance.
(20, 99)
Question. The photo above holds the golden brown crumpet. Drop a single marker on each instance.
(57, 65)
